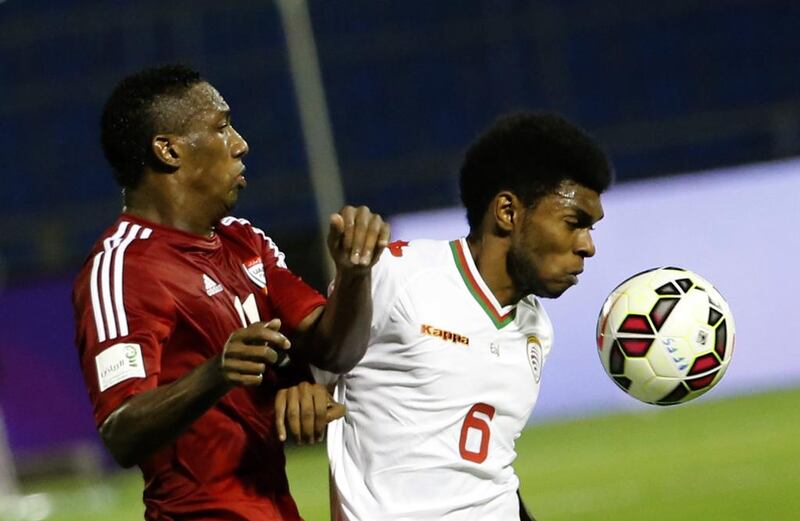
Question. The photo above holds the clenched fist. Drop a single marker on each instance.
(356, 238)
(249, 350)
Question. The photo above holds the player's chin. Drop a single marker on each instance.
(554, 289)
(231, 199)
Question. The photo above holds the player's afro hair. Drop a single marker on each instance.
(529, 154)
(130, 117)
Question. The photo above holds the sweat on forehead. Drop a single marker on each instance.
(567, 189)
(570, 196)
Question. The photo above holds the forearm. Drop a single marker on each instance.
(337, 340)
(153, 419)
(340, 337)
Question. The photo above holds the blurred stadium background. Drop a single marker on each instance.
(698, 104)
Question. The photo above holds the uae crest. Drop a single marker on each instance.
(254, 269)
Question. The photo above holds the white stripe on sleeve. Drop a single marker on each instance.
(102, 307)
(119, 259)
(96, 310)
(105, 281)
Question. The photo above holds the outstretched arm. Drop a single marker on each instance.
(154, 418)
(334, 337)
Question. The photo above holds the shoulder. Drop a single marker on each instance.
(535, 319)
(122, 234)
(123, 241)
(131, 254)
(535, 312)
(405, 265)
(123, 270)
(240, 229)
(416, 255)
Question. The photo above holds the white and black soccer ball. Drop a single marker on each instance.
(665, 336)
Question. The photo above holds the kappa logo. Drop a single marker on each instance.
(254, 269)
(534, 347)
(212, 287)
(448, 336)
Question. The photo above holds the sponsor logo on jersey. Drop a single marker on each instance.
(254, 269)
(535, 356)
(118, 363)
(448, 336)
(212, 287)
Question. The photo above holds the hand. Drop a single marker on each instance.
(248, 351)
(356, 238)
(308, 408)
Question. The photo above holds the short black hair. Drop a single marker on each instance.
(130, 117)
(530, 154)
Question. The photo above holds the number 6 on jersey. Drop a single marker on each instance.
(476, 426)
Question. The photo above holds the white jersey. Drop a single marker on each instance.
(444, 390)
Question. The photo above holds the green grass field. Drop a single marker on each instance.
(732, 459)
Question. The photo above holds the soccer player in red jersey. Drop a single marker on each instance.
(184, 314)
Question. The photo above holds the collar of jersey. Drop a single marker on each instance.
(500, 316)
(176, 236)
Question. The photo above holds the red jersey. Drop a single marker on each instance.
(152, 303)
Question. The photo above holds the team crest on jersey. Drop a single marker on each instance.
(254, 269)
(535, 356)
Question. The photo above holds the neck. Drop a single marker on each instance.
(162, 206)
(490, 253)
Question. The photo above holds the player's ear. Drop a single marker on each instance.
(166, 151)
(506, 211)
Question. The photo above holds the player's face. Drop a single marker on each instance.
(212, 151)
(549, 248)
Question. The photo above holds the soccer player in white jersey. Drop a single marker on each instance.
(459, 337)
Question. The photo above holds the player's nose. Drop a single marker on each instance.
(584, 246)
(239, 147)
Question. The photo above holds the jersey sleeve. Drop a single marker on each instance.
(292, 298)
(123, 316)
(389, 278)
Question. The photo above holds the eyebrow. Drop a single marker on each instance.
(584, 216)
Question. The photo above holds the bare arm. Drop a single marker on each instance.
(155, 418)
(335, 337)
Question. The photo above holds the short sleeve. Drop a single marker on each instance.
(292, 299)
(123, 316)
(388, 280)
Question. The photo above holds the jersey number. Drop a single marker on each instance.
(248, 310)
(476, 421)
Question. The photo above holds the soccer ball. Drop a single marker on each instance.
(665, 336)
